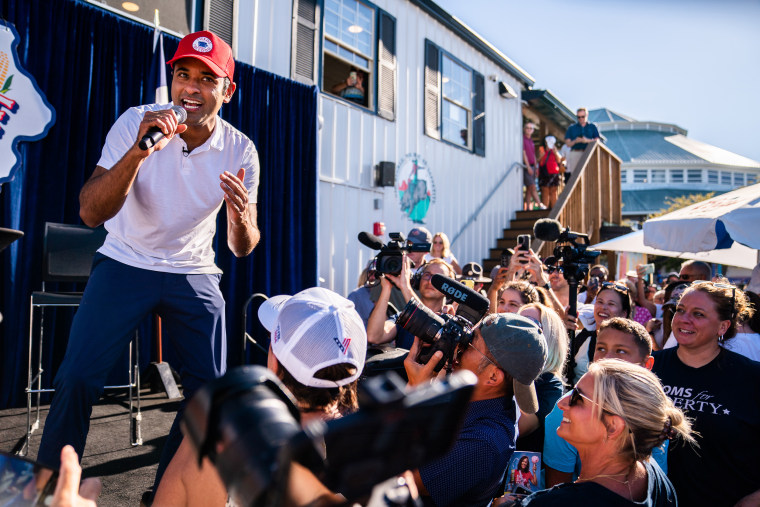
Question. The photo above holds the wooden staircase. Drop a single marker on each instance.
(522, 224)
(592, 199)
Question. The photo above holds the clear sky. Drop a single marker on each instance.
(695, 63)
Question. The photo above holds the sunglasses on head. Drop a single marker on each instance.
(615, 286)
(719, 285)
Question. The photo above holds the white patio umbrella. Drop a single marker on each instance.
(738, 255)
(708, 225)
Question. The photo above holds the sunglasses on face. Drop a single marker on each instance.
(551, 270)
(576, 396)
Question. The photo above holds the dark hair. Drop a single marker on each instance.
(630, 327)
(754, 320)
(601, 267)
(723, 297)
(625, 298)
(318, 398)
(527, 463)
(528, 293)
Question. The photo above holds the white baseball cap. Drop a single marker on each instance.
(312, 330)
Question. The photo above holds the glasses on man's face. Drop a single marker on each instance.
(615, 286)
(427, 276)
(552, 269)
(461, 350)
(581, 116)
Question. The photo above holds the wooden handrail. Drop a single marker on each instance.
(591, 198)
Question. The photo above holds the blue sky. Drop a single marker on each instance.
(695, 63)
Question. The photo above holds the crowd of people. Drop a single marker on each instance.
(642, 396)
(662, 396)
(552, 165)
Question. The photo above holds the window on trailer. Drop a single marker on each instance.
(348, 50)
(356, 43)
(454, 97)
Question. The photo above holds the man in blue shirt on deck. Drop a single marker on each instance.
(578, 136)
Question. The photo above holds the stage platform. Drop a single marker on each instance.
(126, 471)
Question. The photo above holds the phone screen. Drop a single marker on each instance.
(25, 483)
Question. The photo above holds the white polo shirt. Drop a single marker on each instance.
(168, 220)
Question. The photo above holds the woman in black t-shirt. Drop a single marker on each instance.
(720, 389)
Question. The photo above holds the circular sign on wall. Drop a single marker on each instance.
(415, 187)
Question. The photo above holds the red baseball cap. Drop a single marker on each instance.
(208, 48)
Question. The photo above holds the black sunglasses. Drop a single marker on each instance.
(576, 396)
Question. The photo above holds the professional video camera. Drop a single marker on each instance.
(444, 332)
(391, 256)
(247, 424)
(575, 257)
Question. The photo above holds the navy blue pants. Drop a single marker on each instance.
(117, 297)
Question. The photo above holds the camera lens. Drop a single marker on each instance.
(420, 321)
(392, 264)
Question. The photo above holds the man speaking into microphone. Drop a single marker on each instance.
(159, 198)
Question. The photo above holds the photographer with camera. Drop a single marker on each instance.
(597, 275)
(318, 369)
(381, 330)
(524, 265)
(507, 353)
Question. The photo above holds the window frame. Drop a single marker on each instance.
(658, 176)
(444, 98)
(475, 110)
(694, 176)
(373, 66)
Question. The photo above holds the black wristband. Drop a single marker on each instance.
(548, 286)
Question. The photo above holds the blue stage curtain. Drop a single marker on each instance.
(92, 65)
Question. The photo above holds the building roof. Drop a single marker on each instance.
(546, 103)
(711, 153)
(475, 40)
(648, 147)
(645, 202)
(604, 115)
(656, 143)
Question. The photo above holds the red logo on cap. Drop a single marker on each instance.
(343, 346)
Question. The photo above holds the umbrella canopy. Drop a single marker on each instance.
(738, 255)
(708, 225)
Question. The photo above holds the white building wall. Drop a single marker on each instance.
(264, 34)
(352, 141)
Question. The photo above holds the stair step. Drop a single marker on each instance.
(511, 235)
(488, 265)
(534, 214)
(523, 223)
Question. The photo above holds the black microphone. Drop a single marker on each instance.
(463, 295)
(547, 229)
(370, 240)
(154, 134)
